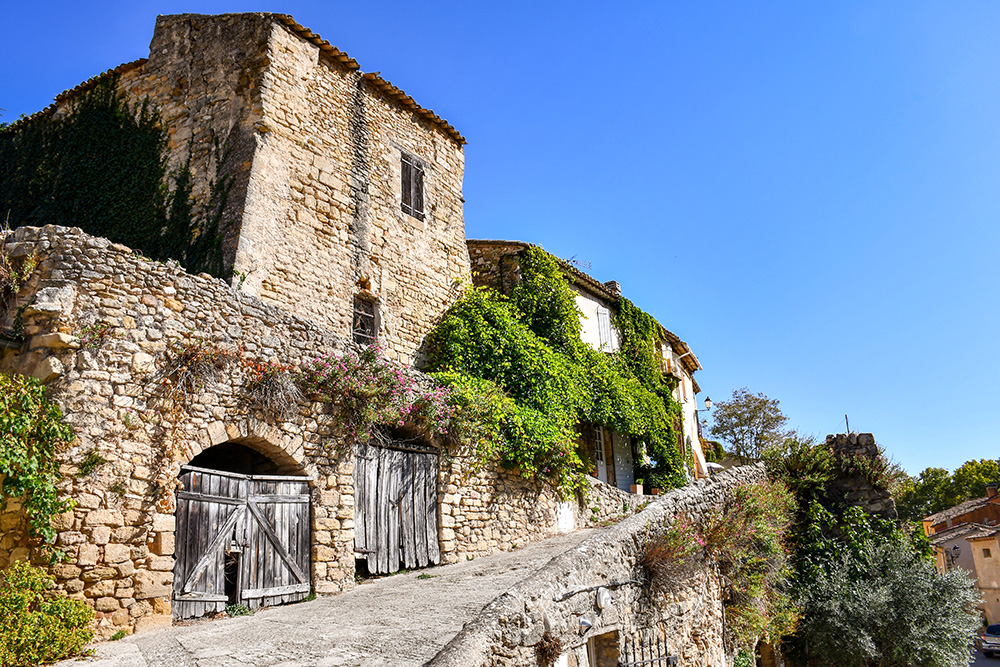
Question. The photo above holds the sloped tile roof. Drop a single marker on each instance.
(957, 510)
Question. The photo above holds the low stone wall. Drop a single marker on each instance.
(98, 322)
(602, 504)
(550, 607)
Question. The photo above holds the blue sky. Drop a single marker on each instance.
(807, 193)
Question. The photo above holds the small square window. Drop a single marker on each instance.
(364, 328)
(412, 186)
(987, 554)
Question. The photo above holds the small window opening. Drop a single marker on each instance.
(412, 186)
(987, 553)
(364, 328)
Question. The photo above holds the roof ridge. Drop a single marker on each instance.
(79, 88)
(374, 78)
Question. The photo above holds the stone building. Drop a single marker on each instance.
(345, 224)
(496, 264)
(101, 327)
(346, 201)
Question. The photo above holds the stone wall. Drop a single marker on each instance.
(551, 605)
(327, 223)
(120, 537)
(496, 264)
(857, 489)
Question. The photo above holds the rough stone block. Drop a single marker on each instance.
(149, 584)
(163, 544)
(103, 518)
(89, 553)
(54, 341)
(116, 553)
(163, 523)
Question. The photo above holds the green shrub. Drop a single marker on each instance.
(36, 628)
(31, 430)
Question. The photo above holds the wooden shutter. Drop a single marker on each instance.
(604, 327)
(406, 186)
(418, 192)
(412, 186)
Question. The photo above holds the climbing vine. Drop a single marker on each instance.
(541, 382)
(31, 432)
(103, 167)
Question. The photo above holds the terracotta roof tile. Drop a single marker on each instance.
(957, 510)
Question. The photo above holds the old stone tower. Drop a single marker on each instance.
(345, 204)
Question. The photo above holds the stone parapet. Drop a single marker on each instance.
(551, 605)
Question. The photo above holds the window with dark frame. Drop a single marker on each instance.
(364, 328)
(412, 186)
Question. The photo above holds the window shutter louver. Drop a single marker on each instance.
(604, 326)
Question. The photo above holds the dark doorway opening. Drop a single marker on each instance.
(236, 458)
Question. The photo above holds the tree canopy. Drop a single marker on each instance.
(935, 489)
(750, 423)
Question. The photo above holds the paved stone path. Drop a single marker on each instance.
(396, 621)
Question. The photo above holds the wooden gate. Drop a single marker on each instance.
(395, 507)
(240, 539)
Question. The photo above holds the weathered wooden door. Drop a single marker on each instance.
(240, 539)
(395, 507)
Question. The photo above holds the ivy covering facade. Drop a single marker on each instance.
(102, 167)
(520, 363)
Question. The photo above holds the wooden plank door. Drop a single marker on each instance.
(275, 563)
(240, 538)
(210, 513)
(395, 508)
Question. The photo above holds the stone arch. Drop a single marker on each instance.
(287, 452)
(244, 523)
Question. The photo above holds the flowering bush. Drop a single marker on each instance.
(746, 540)
(372, 391)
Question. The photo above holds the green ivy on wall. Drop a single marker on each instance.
(525, 353)
(103, 167)
(31, 430)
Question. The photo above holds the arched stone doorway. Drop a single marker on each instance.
(243, 531)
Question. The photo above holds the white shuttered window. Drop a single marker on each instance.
(604, 327)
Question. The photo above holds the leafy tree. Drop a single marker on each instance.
(750, 423)
(935, 489)
(971, 478)
(869, 594)
(924, 495)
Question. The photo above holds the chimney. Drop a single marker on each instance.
(614, 287)
(991, 490)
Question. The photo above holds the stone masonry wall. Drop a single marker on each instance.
(313, 151)
(554, 601)
(324, 220)
(495, 264)
(120, 537)
(856, 489)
